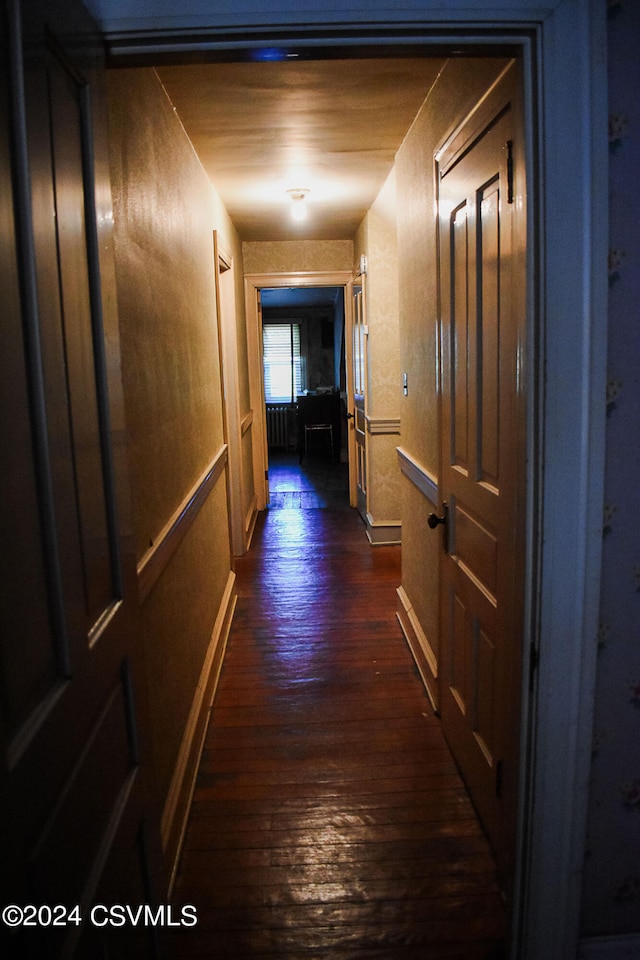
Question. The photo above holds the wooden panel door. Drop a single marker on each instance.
(75, 820)
(483, 447)
(359, 355)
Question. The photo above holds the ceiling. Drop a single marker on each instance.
(331, 127)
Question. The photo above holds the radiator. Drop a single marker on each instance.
(278, 425)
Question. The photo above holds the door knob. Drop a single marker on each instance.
(433, 519)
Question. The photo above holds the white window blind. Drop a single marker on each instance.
(282, 362)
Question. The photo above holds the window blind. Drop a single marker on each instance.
(282, 362)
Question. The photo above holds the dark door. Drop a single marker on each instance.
(75, 824)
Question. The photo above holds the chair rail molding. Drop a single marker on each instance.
(155, 560)
(382, 425)
(420, 477)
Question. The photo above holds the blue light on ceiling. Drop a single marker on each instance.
(271, 53)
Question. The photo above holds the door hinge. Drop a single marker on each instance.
(509, 148)
(499, 779)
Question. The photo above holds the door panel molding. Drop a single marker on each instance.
(482, 571)
(73, 760)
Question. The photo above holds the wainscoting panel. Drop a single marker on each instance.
(157, 557)
(176, 810)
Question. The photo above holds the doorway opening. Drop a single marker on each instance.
(304, 375)
(305, 392)
(298, 359)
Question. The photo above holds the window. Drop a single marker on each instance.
(283, 365)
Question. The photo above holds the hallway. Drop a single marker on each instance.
(329, 821)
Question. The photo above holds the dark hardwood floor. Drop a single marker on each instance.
(329, 821)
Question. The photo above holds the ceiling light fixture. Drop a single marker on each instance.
(298, 206)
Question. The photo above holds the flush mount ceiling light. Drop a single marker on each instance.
(298, 206)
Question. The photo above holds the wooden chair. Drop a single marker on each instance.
(318, 415)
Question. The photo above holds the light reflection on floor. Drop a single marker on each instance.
(315, 484)
(299, 495)
(329, 819)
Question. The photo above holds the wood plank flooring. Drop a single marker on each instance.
(329, 821)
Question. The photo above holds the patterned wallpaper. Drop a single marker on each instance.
(611, 902)
(381, 249)
(297, 256)
(376, 238)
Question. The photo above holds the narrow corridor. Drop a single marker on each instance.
(329, 821)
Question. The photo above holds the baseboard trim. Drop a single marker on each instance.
(421, 649)
(625, 947)
(178, 803)
(383, 533)
(156, 559)
(250, 522)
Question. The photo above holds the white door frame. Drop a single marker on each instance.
(563, 43)
(253, 283)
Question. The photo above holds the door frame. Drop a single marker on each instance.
(358, 495)
(228, 360)
(253, 283)
(563, 45)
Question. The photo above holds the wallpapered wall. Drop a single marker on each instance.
(376, 239)
(291, 256)
(611, 886)
(164, 215)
